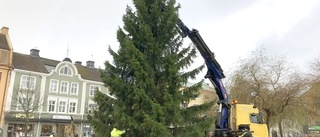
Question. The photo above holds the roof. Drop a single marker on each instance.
(3, 42)
(89, 73)
(38, 64)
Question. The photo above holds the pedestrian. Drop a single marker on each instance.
(117, 133)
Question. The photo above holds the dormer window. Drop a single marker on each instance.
(65, 70)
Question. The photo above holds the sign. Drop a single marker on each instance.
(63, 117)
(315, 128)
(24, 116)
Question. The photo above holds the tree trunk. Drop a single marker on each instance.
(26, 126)
(268, 121)
(280, 128)
(26, 129)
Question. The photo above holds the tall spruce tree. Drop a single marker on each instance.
(146, 77)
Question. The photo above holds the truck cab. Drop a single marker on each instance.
(248, 114)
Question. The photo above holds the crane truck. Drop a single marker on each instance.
(230, 117)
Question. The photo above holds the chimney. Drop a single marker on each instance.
(4, 30)
(90, 64)
(34, 53)
(78, 62)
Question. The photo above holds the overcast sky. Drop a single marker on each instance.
(231, 28)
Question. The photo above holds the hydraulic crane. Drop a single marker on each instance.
(232, 119)
(215, 75)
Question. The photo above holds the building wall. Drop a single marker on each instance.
(55, 120)
(206, 95)
(4, 74)
(12, 94)
(5, 70)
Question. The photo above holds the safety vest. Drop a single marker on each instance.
(246, 134)
(116, 133)
(243, 134)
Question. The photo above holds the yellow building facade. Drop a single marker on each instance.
(206, 94)
(6, 53)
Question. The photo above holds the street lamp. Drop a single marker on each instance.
(171, 127)
(254, 94)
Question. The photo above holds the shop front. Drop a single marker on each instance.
(20, 130)
(44, 126)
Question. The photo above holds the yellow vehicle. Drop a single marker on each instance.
(248, 114)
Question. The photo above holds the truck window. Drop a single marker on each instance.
(256, 118)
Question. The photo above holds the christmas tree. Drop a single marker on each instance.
(147, 77)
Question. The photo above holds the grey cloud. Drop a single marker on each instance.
(299, 45)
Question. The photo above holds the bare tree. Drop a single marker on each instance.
(315, 69)
(26, 101)
(275, 84)
(72, 129)
(312, 96)
(312, 101)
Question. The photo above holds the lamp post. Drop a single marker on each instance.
(171, 127)
(254, 94)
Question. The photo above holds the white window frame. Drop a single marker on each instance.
(92, 90)
(72, 100)
(91, 103)
(76, 88)
(185, 104)
(57, 85)
(25, 97)
(19, 105)
(31, 86)
(65, 106)
(54, 105)
(62, 85)
(75, 107)
(66, 70)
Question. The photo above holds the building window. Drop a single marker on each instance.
(64, 87)
(27, 82)
(54, 85)
(23, 103)
(185, 104)
(65, 70)
(46, 130)
(74, 88)
(21, 129)
(52, 104)
(62, 106)
(72, 107)
(50, 68)
(93, 90)
(92, 107)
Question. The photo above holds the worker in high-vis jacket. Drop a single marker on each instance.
(117, 133)
(246, 131)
